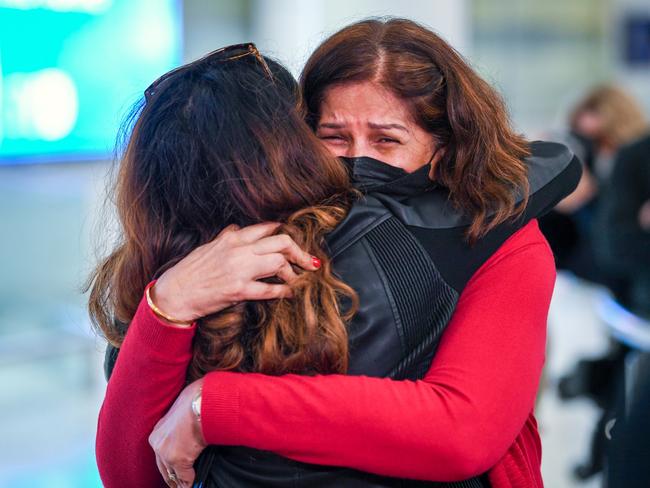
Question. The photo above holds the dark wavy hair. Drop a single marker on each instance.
(219, 143)
(482, 166)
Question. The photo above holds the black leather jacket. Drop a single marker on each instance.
(402, 247)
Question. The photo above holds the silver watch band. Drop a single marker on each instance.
(196, 406)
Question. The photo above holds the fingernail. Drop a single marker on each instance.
(315, 261)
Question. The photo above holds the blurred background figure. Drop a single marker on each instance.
(602, 121)
(626, 251)
(580, 231)
(597, 234)
(606, 119)
(71, 69)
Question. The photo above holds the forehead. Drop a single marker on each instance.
(363, 102)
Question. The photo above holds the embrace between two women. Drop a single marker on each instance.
(338, 282)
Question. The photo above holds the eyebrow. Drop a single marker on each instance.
(372, 125)
(331, 125)
(387, 126)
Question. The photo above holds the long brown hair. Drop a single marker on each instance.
(482, 166)
(221, 143)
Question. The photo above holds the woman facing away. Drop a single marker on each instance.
(203, 158)
(442, 241)
(604, 120)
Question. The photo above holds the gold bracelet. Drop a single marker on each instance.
(159, 312)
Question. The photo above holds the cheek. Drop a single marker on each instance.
(395, 155)
(409, 157)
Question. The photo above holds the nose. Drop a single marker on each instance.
(357, 148)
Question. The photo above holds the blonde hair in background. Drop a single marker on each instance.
(623, 118)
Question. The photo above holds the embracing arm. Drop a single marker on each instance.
(455, 423)
(150, 371)
(148, 376)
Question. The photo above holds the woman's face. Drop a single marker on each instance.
(589, 124)
(365, 119)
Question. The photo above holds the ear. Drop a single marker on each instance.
(439, 152)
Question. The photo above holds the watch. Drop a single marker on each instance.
(196, 406)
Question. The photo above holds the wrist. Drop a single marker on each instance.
(195, 406)
(165, 310)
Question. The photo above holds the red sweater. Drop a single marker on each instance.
(472, 412)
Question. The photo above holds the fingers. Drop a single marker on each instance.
(259, 290)
(273, 265)
(235, 260)
(286, 246)
(164, 472)
(185, 477)
(231, 228)
(255, 232)
(286, 273)
(259, 235)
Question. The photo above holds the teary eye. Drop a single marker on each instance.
(332, 138)
(388, 140)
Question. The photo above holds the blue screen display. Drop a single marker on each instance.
(637, 40)
(70, 70)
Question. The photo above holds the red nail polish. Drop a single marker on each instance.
(315, 261)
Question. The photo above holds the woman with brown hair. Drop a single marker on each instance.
(200, 181)
(442, 240)
(602, 122)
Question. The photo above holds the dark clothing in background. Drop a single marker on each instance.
(622, 246)
(624, 251)
(628, 452)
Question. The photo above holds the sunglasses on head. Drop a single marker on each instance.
(228, 53)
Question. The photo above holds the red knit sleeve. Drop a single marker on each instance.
(455, 423)
(148, 376)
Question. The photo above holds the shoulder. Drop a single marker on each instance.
(634, 156)
(552, 169)
(520, 275)
(550, 151)
(526, 250)
(640, 147)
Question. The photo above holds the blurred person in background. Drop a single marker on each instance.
(483, 247)
(605, 119)
(596, 234)
(625, 251)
